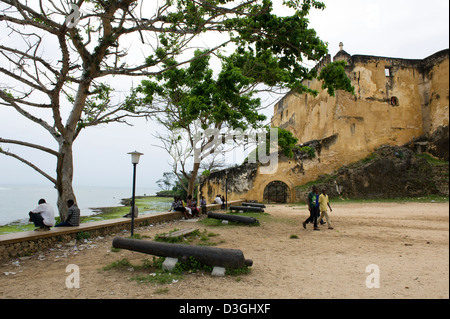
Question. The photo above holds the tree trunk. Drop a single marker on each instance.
(192, 179)
(64, 173)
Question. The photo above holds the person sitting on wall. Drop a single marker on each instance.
(73, 215)
(218, 200)
(43, 216)
(223, 202)
(136, 212)
(177, 205)
(203, 205)
(192, 204)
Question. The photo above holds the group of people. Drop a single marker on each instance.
(43, 216)
(189, 210)
(318, 205)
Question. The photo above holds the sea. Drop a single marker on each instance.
(17, 200)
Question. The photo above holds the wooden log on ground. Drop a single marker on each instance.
(254, 205)
(211, 256)
(247, 209)
(234, 218)
(179, 233)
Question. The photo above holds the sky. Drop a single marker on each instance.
(411, 29)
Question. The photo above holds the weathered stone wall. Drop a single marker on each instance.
(368, 119)
(396, 101)
(389, 172)
(236, 182)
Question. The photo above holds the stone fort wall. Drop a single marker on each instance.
(396, 101)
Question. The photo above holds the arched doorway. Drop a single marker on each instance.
(276, 192)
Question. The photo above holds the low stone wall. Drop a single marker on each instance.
(30, 242)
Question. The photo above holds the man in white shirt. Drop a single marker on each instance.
(218, 200)
(43, 216)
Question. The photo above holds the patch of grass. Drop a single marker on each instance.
(293, 237)
(83, 235)
(190, 265)
(238, 271)
(161, 291)
(431, 159)
(369, 158)
(156, 276)
(119, 264)
(195, 238)
(14, 228)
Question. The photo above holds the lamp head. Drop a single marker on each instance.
(135, 157)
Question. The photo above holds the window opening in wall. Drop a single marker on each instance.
(394, 101)
(387, 71)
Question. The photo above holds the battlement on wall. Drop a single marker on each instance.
(352, 60)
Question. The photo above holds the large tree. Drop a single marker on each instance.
(269, 56)
(58, 56)
(195, 108)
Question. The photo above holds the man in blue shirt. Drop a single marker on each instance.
(313, 207)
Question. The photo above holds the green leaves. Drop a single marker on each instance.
(193, 94)
(334, 77)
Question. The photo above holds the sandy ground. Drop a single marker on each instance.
(408, 243)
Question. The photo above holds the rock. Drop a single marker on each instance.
(218, 272)
(169, 263)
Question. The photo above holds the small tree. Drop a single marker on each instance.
(166, 182)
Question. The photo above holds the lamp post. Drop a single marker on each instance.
(134, 160)
(226, 189)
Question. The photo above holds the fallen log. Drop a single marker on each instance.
(211, 256)
(234, 218)
(247, 209)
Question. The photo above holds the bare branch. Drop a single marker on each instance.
(35, 146)
(51, 179)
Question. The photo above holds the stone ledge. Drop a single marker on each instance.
(29, 242)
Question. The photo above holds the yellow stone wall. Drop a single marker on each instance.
(361, 122)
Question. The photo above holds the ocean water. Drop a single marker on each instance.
(17, 200)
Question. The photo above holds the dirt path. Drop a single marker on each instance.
(409, 243)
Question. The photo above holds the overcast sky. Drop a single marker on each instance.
(396, 28)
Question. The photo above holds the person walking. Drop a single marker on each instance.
(324, 204)
(313, 207)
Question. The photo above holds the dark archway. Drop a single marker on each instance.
(276, 192)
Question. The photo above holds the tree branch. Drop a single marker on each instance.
(51, 179)
(35, 146)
